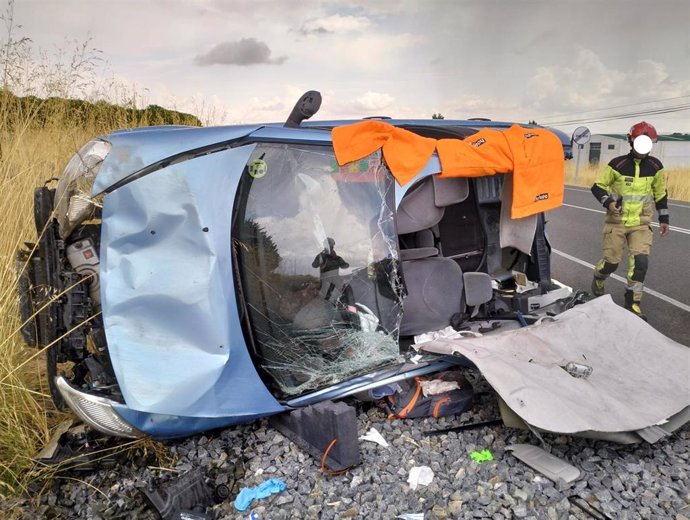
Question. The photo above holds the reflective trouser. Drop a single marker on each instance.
(639, 240)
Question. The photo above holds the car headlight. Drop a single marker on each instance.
(73, 201)
(96, 411)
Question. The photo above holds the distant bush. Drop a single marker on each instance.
(61, 112)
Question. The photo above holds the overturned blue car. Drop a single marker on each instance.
(187, 279)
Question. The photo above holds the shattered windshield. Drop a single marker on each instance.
(317, 258)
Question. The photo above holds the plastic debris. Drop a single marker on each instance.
(481, 456)
(247, 495)
(416, 359)
(437, 386)
(420, 476)
(373, 435)
(447, 333)
(411, 516)
(186, 497)
(545, 463)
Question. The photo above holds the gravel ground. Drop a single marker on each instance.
(624, 482)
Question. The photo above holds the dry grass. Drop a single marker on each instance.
(30, 155)
(36, 142)
(678, 179)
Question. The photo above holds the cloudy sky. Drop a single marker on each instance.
(559, 62)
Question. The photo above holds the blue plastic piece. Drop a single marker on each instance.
(248, 495)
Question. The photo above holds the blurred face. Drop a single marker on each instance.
(642, 145)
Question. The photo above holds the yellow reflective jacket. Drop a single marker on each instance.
(638, 185)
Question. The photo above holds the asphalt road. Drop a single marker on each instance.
(574, 232)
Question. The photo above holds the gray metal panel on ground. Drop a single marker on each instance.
(545, 463)
(640, 377)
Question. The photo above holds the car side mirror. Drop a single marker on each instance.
(307, 106)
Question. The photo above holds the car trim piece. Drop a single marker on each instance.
(96, 411)
(373, 380)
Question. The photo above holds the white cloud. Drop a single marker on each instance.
(335, 24)
(590, 84)
(475, 105)
(372, 101)
(375, 51)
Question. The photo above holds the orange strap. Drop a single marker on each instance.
(439, 403)
(403, 413)
(534, 156)
(325, 469)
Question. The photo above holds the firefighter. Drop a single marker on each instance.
(629, 188)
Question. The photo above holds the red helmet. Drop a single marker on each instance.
(642, 128)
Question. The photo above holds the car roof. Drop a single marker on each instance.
(458, 125)
(149, 145)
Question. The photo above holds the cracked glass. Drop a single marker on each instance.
(318, 269)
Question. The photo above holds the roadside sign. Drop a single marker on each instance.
(581, 135)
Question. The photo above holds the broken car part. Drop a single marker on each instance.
(545, 463)
(184, 498)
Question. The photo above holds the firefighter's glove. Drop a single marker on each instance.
(613, 209)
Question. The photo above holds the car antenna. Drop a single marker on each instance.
(307, 106)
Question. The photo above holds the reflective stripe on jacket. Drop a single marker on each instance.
(640, 184)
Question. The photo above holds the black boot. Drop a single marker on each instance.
(633, 306)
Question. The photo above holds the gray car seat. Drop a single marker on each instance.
(434, 284)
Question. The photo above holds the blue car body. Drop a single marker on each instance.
(192, 329)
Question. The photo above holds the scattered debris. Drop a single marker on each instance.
(186, 498)
(411, 516)
(51, 448)
(481, 456)
(263, 490)
(588, 508)
(78, 449)
(373, 435)
(446, 333)
(410, 440)
(438, 386)
(545, 463)
(420, 476)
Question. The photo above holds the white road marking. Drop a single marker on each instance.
(586, 209)
(667, 299)
(654, 224)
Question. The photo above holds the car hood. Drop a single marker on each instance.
(639, 378)
(168, 301)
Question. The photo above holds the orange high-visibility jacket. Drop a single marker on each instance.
(533, 155)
